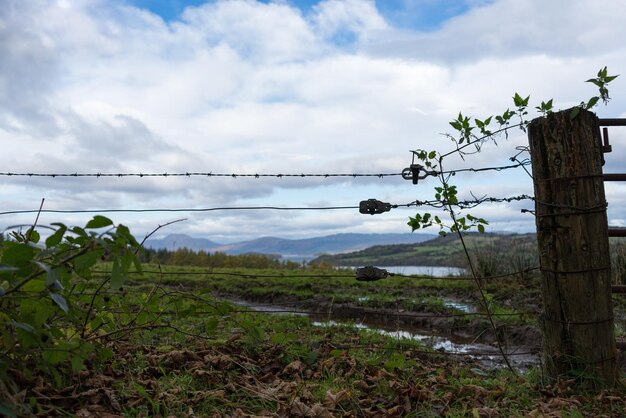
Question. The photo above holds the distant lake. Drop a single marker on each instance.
(435, 271)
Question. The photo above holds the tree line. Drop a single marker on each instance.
(188, 257)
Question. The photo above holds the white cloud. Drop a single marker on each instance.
(343, 19)
(511, 28)
(251, 28)
(244, 86)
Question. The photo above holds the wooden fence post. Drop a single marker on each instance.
(572, 232)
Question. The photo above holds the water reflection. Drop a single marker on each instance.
(434, 271)
(487, 355)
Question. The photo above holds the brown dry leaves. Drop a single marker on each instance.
(232, 383)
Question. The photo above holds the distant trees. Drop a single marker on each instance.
(187, 257)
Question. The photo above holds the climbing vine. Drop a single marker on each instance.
(469, 137)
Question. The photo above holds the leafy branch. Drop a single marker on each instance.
(447, 194)
(476, 132)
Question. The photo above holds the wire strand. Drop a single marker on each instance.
(200, 174)
(431, 203)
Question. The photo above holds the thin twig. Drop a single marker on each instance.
(32, 228)
(157, 228)
(477, 282)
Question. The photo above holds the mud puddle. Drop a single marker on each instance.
(488, 355)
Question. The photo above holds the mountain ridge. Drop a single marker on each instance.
(313, 246)
(445, 251)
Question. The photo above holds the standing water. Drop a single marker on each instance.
(434, 271)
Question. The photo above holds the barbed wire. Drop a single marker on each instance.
(248, 175)
(226, 208)
(464, 204)
(471, 203)
(339, 275)
(521, 163)
(165, 291)
(364, 311)
(200, 174)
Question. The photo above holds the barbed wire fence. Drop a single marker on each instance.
(372, 206)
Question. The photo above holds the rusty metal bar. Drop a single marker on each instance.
(612, 122)
(618, 288)
(617, 232)
(615, 177)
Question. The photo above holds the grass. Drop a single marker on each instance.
(295, 368)
(211, 358)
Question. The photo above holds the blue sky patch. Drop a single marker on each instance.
(418, 15)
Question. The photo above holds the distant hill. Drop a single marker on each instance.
(175, 241)
(330, 244)
(441, 251)
(290, 248)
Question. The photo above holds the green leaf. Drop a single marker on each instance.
(414, 224)
(60, 301)
(574, 112)
(117, 276)
(98, 221)
(56, 237)
(55, 355)
(136, 262)
(481, 228)
(23, 326)
(432, 155)
(32, 235)
(78, 363)
(105, 353)
(79, 231)
(123, 231)
(127, 261)
(17, 254)
(456, 125)
(52, 275)
(88, 260)
(595, 81)
(592, 102)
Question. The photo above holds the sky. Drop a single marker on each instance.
(284, 86)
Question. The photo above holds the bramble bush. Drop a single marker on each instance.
(53, 308)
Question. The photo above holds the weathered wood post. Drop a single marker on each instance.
(572, 232)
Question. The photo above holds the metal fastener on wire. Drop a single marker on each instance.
(373, 207)
(413, 173)
(371, 274)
